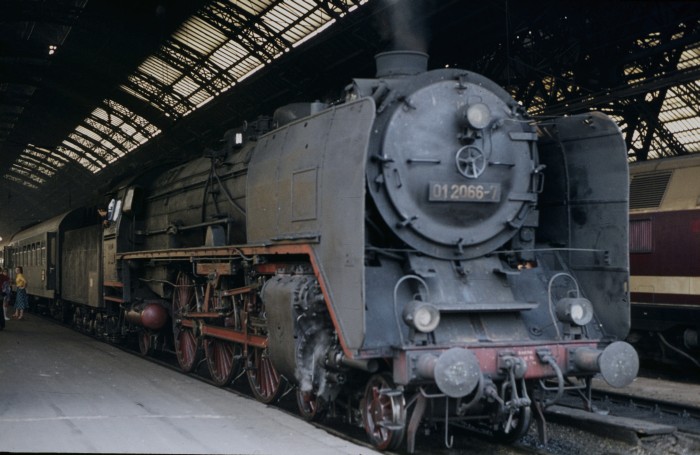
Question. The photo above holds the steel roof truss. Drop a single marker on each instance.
(97, 147)
(83, 157)
(199, 68)
(113, 134)
(246, 29)
(157, 94)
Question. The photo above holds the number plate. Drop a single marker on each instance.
(464, 192)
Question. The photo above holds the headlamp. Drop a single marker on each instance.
(478, 116)
(422, 316)
(578, 310)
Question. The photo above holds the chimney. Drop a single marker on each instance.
(400, 63)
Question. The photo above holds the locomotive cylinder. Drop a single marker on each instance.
(152, 316)
(338, 359)
(618, 363)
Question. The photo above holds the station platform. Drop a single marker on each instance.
(64, 392)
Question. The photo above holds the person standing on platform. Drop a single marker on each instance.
(6, 292)
(3, 279)
(21, 299)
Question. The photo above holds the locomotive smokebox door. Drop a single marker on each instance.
(452, 169)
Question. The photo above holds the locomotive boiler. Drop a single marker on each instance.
(420, 248)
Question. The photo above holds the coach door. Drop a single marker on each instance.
(51, 261)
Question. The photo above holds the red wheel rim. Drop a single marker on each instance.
(310, 406)
(186, 344)
(262, 376)
(222, 360)
(380, 410)
(186, 349)
(183, 297)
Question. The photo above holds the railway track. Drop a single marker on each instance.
(684, 416)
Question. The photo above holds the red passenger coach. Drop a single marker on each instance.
(665, 258)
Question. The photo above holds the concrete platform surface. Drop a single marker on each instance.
(64, 392)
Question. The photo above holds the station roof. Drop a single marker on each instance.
(91, 91)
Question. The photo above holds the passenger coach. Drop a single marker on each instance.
(665, 257)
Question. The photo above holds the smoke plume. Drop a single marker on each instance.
(403, 24)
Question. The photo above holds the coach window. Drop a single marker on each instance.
(117, 210)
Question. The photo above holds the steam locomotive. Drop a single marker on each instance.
(664, 220)
(420, 248)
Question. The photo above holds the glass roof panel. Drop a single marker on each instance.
(228, 54)
(159, 70)
(81, 155)
(185, 86)
(19, 180)
(246, 67)
(27, 173)
(690, 58)
(206, 56)
(253, 7)
(88, 132)
(54, 159)
(683, 125)
(680, 112)
(282, 15)
(200, 35)
(30, 163)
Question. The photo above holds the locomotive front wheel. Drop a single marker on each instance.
(383, 412)
(223, 360)
(187, 349)
(310, 406)
(264, 380)
(517, 428)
